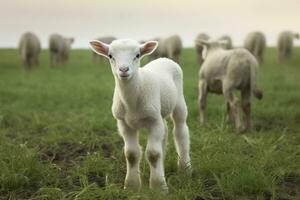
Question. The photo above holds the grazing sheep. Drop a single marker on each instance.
(170, 47)
(59, 48)
(255, 42)
(228, 44)
(285, 45)
(107, 40)
(224, 71)
(143, 98)
(29, 49)
(199, 48)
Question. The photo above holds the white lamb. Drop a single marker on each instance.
(255, 42)
(225, 71)
(285, 45)
(59, 49)
(29, 49)
(143, 98)
(170, 47)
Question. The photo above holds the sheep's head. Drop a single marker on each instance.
(124, 55)
(209, 45)
(69, 41)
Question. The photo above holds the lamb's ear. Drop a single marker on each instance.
(200, 42)
(72, 40)
(100, 48)
(148, 47)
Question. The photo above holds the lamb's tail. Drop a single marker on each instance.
(255, 91)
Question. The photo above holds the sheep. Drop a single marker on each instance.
(285, 45)
(143, 98)
(228, 44)
(59, 48)
(224, 71)
(170, 47)
(29, 49)
(107, 40)
(255, 42)
(199, 48)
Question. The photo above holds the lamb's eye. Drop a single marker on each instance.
(110, 56)
(137, 55)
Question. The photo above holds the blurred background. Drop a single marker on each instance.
(136, 19)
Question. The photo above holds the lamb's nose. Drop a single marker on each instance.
(124, 69)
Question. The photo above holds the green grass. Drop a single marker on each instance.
(58, 139)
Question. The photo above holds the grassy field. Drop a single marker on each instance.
(58, 139)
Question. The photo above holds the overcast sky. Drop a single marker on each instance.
(139, 19)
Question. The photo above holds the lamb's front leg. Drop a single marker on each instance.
(133, 154)
(154, 153)
(202, 100)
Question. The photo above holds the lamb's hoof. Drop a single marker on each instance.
(243, 130)
(134, 185)
(185, 167)
(160, 186)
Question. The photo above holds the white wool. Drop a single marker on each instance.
(255, 42)
(224, 71)
(143, 98)
(170, 47)
(285, 45)
(29, 49)
(59, 48)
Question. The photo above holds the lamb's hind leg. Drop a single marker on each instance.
(246, 106)
(133, 154)
(165, 140)
(229, 116)
(234, 103)
(202, 100)
(181, 135)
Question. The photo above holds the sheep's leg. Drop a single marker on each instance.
(279, 56)
(133, 154)
(202, 100)
(51, 59)
(36, 61)
(234, 105)
(165, 140)
(30, 62)
(246, 106)
(289, 53)
(154, 154)
(181, 133)
(229, 116)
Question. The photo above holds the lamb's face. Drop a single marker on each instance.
(124, 55)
